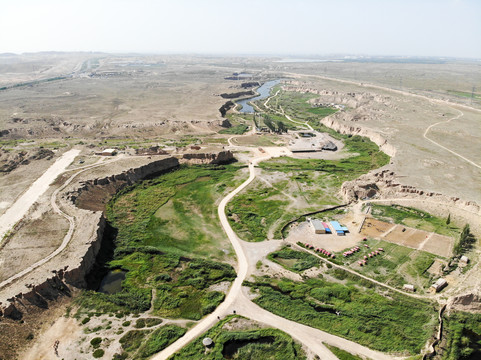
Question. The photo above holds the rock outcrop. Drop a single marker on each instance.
(94, 194)
(222, 157)
(65, 273)
(237, 94)
(374, 136)
(467, 302)
(226, 107)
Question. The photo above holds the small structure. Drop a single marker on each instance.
(109, 152)
(338, 228)
(408, 287)
(207, 342)
(464, 260)
(327, 228)
(330, 146)
(439, 285)
(318, 227)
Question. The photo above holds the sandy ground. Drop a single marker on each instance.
(413, 238)
(305, 234)
(18, 210)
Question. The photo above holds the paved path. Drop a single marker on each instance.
(21, 206)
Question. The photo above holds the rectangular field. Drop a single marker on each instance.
(413, 238)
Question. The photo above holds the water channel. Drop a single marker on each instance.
(264, 91)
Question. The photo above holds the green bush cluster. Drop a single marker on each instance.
(160, 339)
(463, 336)
(95, 342)
(390, 323)
(235, 130)
(304, 260)
(255, 344)
(255, 212)
(98, 353)
(413, 217)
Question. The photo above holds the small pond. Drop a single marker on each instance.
(112, 282)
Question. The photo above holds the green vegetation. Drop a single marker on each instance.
(297, 261)
(413, 218)
(175, 212)
(252, 213)
(322, 111)
(160, 222)
(396, 265)
(341, 354)
(185, 295)
(296, 105)
(269, 344)
(465, 242)
(368, 157)
(132, 340)
(95, 342)
(159, 340)
(315, 182)
(98, 353)
(388, 322)
(463, 336)
(235, 130)
(465, 94)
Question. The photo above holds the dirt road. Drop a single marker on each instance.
(20, 208)
(313, 339)
(444, 147)
(235, 299)
(222, 309)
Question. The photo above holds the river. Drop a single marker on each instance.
(264, 91)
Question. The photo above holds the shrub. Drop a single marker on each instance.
(98, 353)
(95, 342)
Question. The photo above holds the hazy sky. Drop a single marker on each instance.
(289, 27)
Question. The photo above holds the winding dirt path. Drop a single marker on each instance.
(223, 309)
(444, 147)
(238, 301)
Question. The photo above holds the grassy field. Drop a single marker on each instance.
(141, 344)
(165, 226)
(341, 354)
(389, 322)
(414, 218)
(292, 260)
(181, 286)
(295, 105)
(252, 213)
(462, 337)
(269, 344)
(175, 212)
(259, 209)
(235, 130)
(396, 265)
(465, 94)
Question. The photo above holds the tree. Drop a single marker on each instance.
(270, 124)
(466, 240)
(448, 220)
(281, 127)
